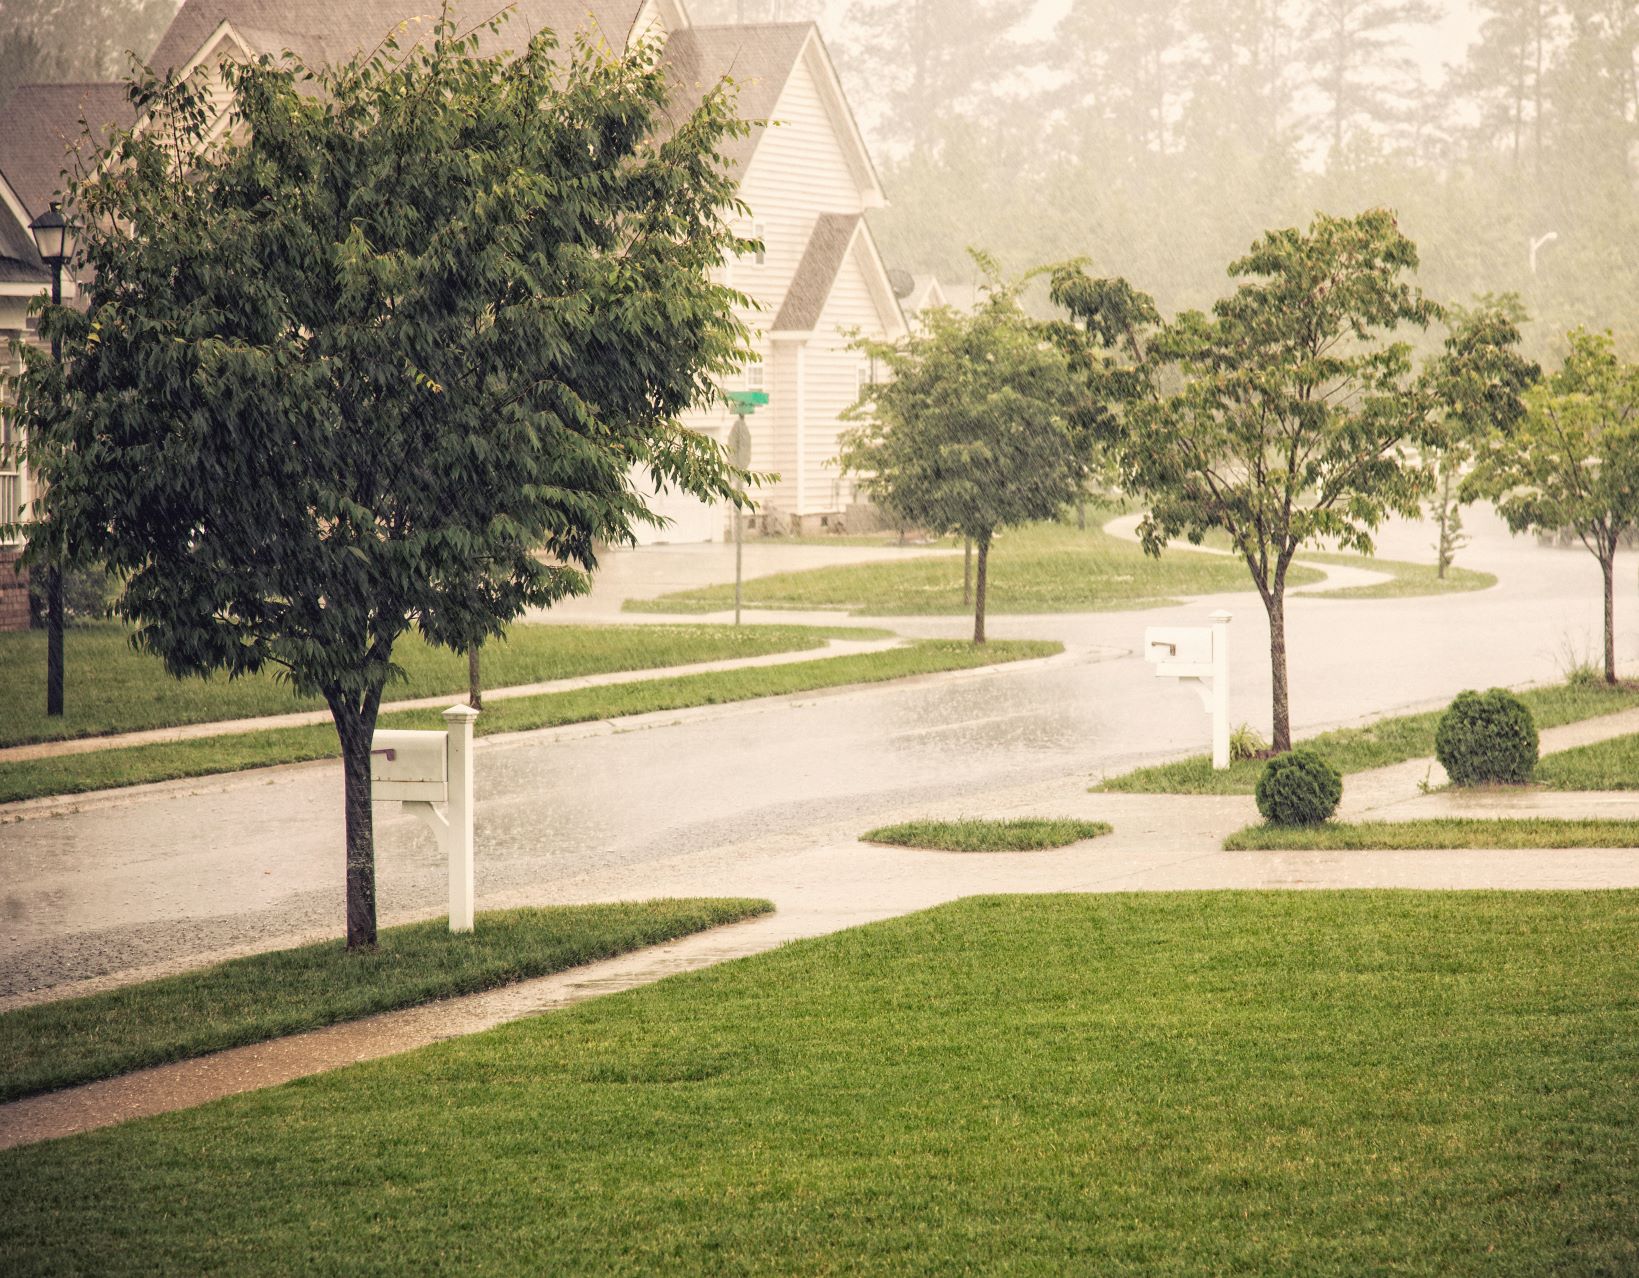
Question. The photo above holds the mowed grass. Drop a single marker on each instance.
(249, 1000)
(1437, 834)
(1314, 1083)
(234, 752)
(1405, 579)
(1028, 835)
(1040, 568)
(1604, 765)
(1377, 745)
(110, 687)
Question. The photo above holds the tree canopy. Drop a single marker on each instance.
(384, 356)
(1286, 416)
(969, 431)
(1572, 462)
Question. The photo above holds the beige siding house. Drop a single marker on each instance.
(805, 176)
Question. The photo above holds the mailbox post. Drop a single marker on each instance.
(423, 770)
(1198, 655)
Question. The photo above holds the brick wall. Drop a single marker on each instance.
(13, 591)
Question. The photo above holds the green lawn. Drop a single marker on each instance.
(110, 687)
(264, 996)
(1392, 740)
(1436, 834)
(1605, 765)
(1314, 1083)
(987, 836)
(1040, 568)
(137, 765)
(1405, 579)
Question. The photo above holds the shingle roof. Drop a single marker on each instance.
(43, 126)
(817, 273)
(759, 57)
(19, 263)
(320, 31)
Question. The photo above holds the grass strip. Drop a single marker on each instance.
(111, 687)
(138, 765)
(1377, 745)
(1406, 580)
(1604, 765)
(1438, 834)
(1038, 568)
(1317, 1083)
(1031, 835)
(250, 1000)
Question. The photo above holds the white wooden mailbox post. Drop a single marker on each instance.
(422, 770)
(1199, 655)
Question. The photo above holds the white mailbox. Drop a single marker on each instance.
(411, 767)
(1198, 655)
(1179, 651)
(427, 771)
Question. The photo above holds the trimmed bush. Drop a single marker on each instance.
(1299, 788)
(1487, 738)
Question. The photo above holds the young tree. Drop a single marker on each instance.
(1283, 417)
(1479, 380)
(1573, 462)
(968, 432)
(353, 369)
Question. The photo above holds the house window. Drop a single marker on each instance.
(756, 376)
(759, 233)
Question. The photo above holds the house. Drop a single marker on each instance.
(807, 179)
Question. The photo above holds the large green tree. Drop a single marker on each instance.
(385, 357)
(970, 429)
(1573, 461)
(1286, 416)
(1480, 378)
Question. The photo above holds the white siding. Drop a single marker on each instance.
(833, 383)
(798, 173)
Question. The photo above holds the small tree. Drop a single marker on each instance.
(1573, 461)
(1282, 418)
(353, 369)
(1479, 379)
(969, 432)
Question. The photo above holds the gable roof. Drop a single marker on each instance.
(810, 287)
(43, 126)
(760, 58)
(327, 31)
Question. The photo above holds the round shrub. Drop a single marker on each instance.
(1299, 788)
(1487, 738)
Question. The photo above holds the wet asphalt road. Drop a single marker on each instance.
(180, 873)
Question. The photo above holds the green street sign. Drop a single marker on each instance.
(744, 403)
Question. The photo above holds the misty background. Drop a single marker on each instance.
(1160, 137)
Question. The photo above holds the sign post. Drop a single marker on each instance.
(1200, 656)
(742, 404)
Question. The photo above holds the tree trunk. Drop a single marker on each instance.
(1607, 564)
(967, 572)
(1081, 513)
(54, 640)
(979, 589)
(475, 688)
(356, 726)
(1280, 708)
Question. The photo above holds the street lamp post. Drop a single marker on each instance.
(54, 238)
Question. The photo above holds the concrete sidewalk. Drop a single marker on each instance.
(828, 881)
(307, 718)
